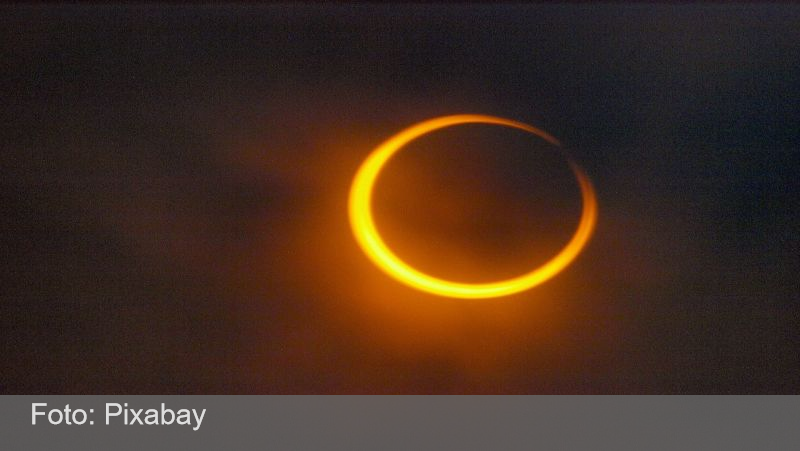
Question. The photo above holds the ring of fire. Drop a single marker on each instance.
(370, 241)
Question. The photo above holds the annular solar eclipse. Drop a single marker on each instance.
(370, 241)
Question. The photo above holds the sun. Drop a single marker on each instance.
(370, 241)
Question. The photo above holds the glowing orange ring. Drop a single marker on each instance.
(367, 236)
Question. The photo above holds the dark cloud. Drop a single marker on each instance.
(175, 181)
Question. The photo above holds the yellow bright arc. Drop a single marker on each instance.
(369, 239)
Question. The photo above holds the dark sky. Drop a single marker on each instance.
(174, 188)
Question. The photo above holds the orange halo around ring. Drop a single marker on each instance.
(369, 239)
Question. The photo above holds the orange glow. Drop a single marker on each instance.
(367, 236)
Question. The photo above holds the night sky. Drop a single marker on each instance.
(173, 210)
